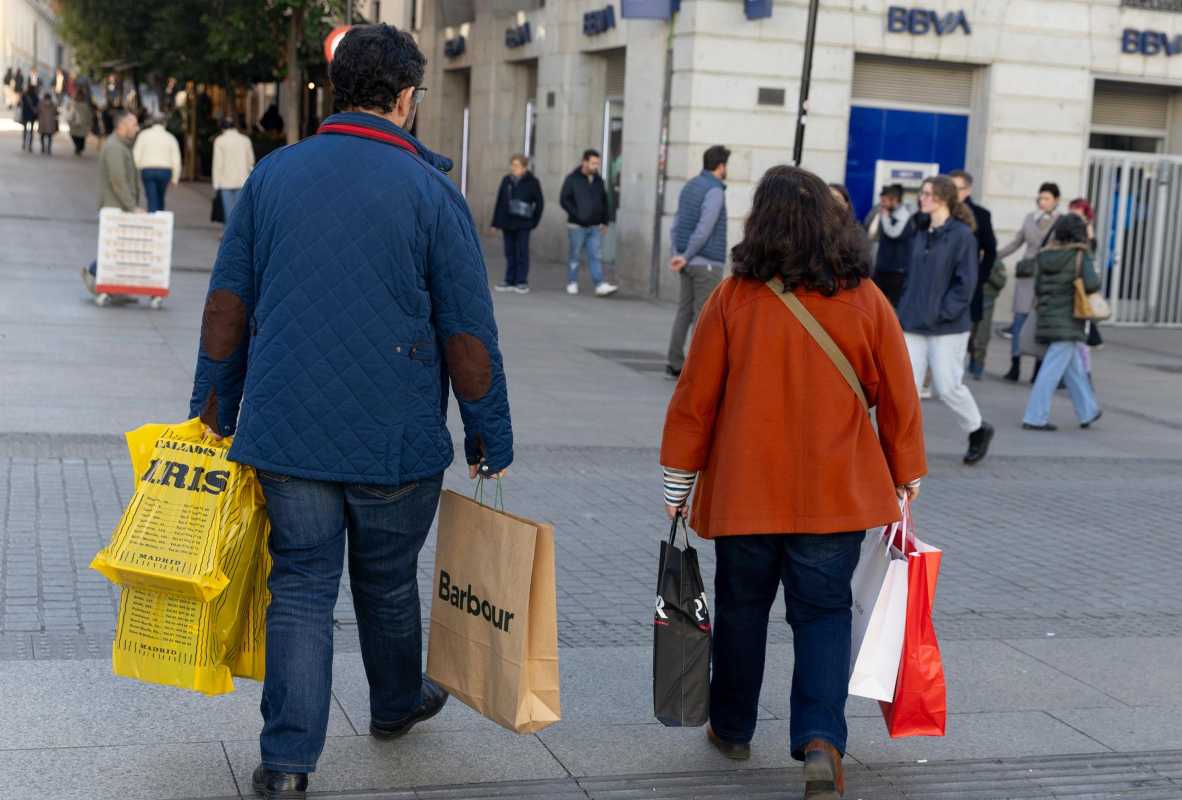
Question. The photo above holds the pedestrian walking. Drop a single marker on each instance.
(159, 160)
(517, 211)
(233, 159)
(1082, 208)
(893, 226)
(789, 471)
(584, 199)
(119, 180)
(987, 253)
(352, 275)
(47, 123)
(1033, 235)
(699, 247)
(1059, 265)
(934, 310)
(29, 105)
(81, 120)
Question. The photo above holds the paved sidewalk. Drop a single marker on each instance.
(1058, 607)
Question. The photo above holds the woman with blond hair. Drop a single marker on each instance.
(935, 307)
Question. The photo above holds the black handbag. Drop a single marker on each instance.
(681, 637)
(521, 209)
(217, 213)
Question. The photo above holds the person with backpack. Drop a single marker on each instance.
(517, 212)
(775, 432)
(1066, 260)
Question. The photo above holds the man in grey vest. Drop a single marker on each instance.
(699, 247)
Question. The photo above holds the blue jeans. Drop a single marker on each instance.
(592, 239)
(155, 185)
(386, 526)
(229, 200)
(1062, 362)
(1016, 328)
(816, 572)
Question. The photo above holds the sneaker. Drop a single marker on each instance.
(606, 289)
(432, 702)
(504, 287)
(1092, 421)
(521, 288)
(925, 393)
(1005, 333)
(1026, 426)
(979, 441)
(674, 374)
(88, 280)
(572, 288)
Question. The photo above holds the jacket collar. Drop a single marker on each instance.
(710, 176)
(370, 126)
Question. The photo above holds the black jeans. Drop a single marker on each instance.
(517, 257)
(79, 144)
(815, 571)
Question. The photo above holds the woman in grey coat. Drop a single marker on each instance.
(1035, 230)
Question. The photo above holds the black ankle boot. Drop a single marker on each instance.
(1015, 369)
(1037, 367)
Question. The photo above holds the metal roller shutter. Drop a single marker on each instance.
(900, 80)
(1130, 105)
(615, 73)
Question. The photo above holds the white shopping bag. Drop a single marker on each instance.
(879, 588)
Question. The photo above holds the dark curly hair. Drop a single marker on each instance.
(372, 64)
(797, 232)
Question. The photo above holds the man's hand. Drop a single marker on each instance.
(603, 229)
(909, 492)
(474, 471)
(677, 263)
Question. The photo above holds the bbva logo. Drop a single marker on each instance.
(918, 21)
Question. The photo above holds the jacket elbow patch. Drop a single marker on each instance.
(222, 324)
(469, 366)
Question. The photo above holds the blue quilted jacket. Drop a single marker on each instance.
(349, 291)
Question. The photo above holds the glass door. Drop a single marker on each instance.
(613, 162)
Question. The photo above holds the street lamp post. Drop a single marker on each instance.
(806, 75)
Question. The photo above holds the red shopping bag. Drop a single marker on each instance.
(920, 706)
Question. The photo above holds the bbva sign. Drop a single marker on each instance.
(918, 21)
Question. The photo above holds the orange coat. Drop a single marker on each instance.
(779, 437)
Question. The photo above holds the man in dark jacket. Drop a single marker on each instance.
(348, 289)
(517, 212)
(584, 199)
(699, 247)
(893, 227)
(30, 103)
(987, 250)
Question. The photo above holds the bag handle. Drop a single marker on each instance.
(822, 338)
(673, 532)
(498, 498)
(905, 528)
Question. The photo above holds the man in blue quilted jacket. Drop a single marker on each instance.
(348, 293)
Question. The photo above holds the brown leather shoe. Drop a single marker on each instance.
(735, 751)
(824, 778)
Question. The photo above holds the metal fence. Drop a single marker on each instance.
(1138, 203)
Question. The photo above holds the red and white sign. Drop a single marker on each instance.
(333, 40)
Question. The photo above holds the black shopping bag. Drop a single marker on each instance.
(681, 637)
(217, 211)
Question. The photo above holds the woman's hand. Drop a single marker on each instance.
(908, 492)
(675, 511)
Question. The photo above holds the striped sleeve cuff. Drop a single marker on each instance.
(678, 485)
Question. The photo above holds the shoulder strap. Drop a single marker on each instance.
(822, 338)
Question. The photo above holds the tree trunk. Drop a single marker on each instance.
(293, 79)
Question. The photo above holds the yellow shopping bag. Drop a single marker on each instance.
(170, 637)
(192, 515)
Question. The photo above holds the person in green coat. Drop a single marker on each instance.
(1059, 265)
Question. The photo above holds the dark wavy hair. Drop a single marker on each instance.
(372, 64)
(797, 232)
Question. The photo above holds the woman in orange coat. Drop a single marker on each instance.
(790, 471)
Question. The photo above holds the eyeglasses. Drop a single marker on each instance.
(416, 97)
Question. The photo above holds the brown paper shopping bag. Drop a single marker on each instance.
(494, 622)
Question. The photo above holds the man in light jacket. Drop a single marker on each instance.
(699, 247)
(233, 159)
(119, 183)
(158, 157)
